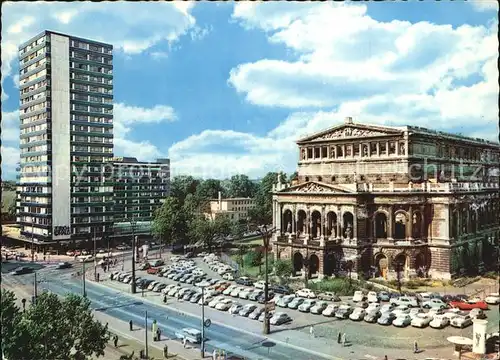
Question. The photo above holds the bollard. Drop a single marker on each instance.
(165, 351)
(130, 325)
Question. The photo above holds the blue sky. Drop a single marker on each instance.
(225, 88)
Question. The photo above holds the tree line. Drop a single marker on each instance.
(182, 219)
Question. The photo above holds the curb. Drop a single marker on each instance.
(283, 343)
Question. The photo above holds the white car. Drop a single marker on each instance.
(319, 307)
(330, 310)
(247, 309)
(461, 321)
(224, 305)
(152, 285)
(434, 304)
(260, 284)
(173, 291)
(306, 293)
(402, 320)
(307, 305)
(439, 322)
(235, 308)
(387, 308)
(216, 300)
(236, 291)
(477, 314)
(401, 310)
(373, 307)
(358, 296)
(229, 290)
(423, 297)
(358, 314)
(492, 299)
(414, 312)
(245, 293)
(280, 318)
(451, 313)
(421, 320)
(228, 276)
(372, 297)
(206, 300)
(405, 300)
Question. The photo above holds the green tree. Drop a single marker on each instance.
(283, 269)
(206, 232)
(209, 189)
(242, 186)
(181, 186)
(51, 329)
(170, 222)
(261, 214)
(253, 258)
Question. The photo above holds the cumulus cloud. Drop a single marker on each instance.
(10, 158)
(10, 126)
(485, 5)
(159, 55)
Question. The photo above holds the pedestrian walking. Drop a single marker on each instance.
(339, 338)
(214, 354)
(158, 334)
(97, 275)
(44, 257)
(115, 340)
(415, 347)
(343, 339)
(184, 342)
(385, 357)
(165, 298)
(311, 331)
(130, 325)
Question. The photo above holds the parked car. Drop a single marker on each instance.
(436, 311)
(384, 296)
(64, 265)
(235, 308)
(319, 307)
(343, 312)
(330, 310)
(270, 314)
(434, 303)
(387, 308)
(260, 284)
(228, 276)
(402, 320)
(405, 300)
(306, 305)
(229, 290)
(358, 314)
(492, 299)
(372, 297)
(372, 316)
(373, 307)
(421, 320)
(401, 310)
(386, 318)
(215, 301)
(254, 315)
(477, 314)
(328, 296)
(144, 266)
(296, 302)
(282, 289)
(244, 281)
(280, 318)
(439, 322)
(254, 295)
(224, 304)
(358, 296)
(22, 270)
(236, 291)
(190, 334)
(414, 312)
(451, 313)
(261, 298)
(461, 321)
(247, 309)
(245, 293)
(157, 262)
(462, 305)
(285, 300)
(306, 293)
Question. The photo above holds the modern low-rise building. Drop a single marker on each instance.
(235, 208)
(66, 121)
(139, 189)
(388, 201)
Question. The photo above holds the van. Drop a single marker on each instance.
(358, 296)
(190, 334)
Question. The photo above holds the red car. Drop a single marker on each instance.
(465, 305)
(153, 271)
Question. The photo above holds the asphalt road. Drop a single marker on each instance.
(125, 307)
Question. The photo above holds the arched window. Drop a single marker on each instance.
(307, 178)
(320, 178)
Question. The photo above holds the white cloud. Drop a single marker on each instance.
(159, 55)
(15, 80)
(119, 23)
(485, 5)
(10, 158)
(10, 126)
(128, 114)
(199, 33)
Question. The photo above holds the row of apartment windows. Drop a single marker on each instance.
(91, 199)
(94, 109)
(36, 210)
(91, 47)
(88, 210)
(33, 77)
(37, 199)
(93, 68)
(135, 201)
(91, 57)
(34, 128)
(34, 118)
(30, 159)
(39, 221)
(34, 55)
(93, 129)
(79, 179)
(34, 66)
(36, 189)
(35, 149)
(35, 86)
(40, 137)
(96, 99)
(243, 202)
(91, 78)
(84, 220)
(93, 189)
(92, 149)
(35, 97)
(36, 107)
(32, 45)
(91, 158)
(94, 139)
(138, 188)
(91, 88)
(31, 169)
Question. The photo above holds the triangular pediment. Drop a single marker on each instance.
(315, 187)
(352, 130)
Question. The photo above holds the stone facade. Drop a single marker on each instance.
(390, 201)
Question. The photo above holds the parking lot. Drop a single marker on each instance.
(327, 328)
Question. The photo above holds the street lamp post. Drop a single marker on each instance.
(266, 234)
(95, 258)
(32, 240)
(203, 320)
(132, 223)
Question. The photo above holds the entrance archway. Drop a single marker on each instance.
(401, 265)
(298, 263)
(316, 224)
(301, 222)
(400, 226)
(329, 264)
(381, 265)
(313, 265)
